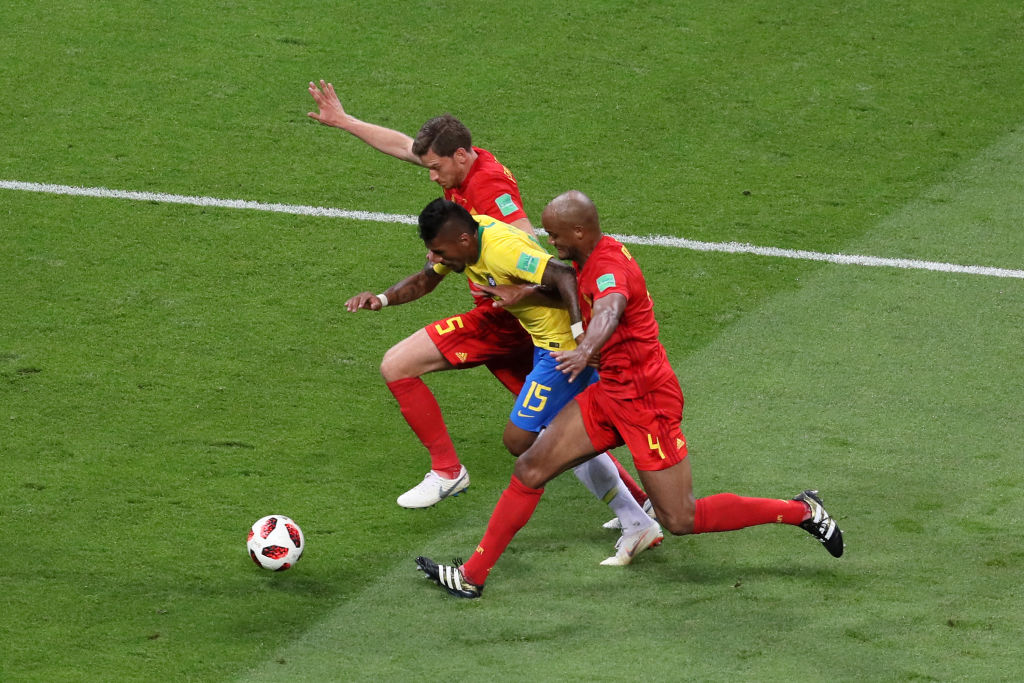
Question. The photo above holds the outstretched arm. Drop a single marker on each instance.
(409, 289)
(331, 113)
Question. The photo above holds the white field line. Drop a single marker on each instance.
(206, 201)
(652, 240)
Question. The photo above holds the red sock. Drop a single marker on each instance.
(420, 410)
(513, 511)
(634, 488)
(727, 512)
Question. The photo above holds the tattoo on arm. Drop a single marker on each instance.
(413, 287)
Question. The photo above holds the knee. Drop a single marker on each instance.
(392, 367)
(679, 521)
(513, 449)
(528, 473)
(516, 444)
(517, 439)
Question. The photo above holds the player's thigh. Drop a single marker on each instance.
(671, 493)
(564, 444)
(479, 336)
(413, 356)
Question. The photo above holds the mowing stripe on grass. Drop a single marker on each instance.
(652, 240)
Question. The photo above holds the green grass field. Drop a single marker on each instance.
(170, 373)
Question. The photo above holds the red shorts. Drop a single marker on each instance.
(648, 425)
(484, 335)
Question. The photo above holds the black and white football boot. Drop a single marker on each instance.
(820, 524)
(449, 577)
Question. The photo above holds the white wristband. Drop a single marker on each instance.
(576, 329)
(383, 298)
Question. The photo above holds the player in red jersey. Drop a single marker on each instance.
(471, 177)
(637, 401)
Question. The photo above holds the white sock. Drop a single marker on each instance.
(602, 479)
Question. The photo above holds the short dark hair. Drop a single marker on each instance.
(443, 134)
(438, 212)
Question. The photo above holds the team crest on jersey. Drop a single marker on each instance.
(491, 281)
(462, 356)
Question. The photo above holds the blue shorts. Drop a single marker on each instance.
(546, 391)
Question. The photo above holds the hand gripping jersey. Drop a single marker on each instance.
(633, 360)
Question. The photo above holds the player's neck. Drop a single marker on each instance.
(586, 249)
(471, 158)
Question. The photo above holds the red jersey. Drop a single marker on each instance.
(633, 360)
(489, 189)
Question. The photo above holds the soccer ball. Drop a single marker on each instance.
(275, 542)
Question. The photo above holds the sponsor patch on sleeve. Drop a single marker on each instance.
(527, 262)
(605, 281)
(506, 204)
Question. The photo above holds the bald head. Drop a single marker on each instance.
(574, 208)
(572, 224)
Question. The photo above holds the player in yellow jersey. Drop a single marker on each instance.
(493, 254)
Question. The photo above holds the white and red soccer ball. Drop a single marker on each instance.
(275, 542)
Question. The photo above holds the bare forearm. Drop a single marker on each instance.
(604, 319)
(393, 142)
(409, 289)
(332, 113)
(602, 326)
(558, 277)
(412, 287)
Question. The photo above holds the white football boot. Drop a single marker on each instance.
(433, 489)
(630, 545)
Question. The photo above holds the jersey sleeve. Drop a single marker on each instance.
(607, 278)
(530, 265)
(497, 195)
(517, 260)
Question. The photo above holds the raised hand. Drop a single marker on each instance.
(331, 112)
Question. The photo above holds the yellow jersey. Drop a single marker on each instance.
(508, 256)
